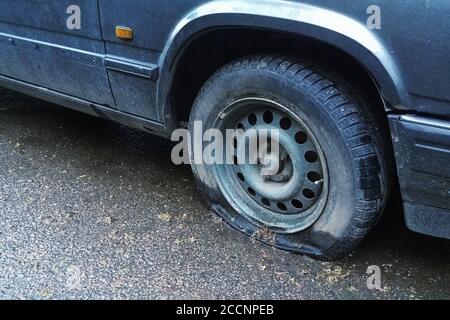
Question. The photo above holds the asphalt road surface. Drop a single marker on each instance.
(92, 210)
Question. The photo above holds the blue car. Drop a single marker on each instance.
(359, 92)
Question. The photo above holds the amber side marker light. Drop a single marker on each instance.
(124, 33)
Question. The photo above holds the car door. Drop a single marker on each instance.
(56, 45)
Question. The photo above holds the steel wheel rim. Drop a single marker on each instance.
(293, 199)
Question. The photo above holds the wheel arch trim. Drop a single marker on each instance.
(345, 33)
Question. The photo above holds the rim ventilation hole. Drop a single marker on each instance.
(311, 156)
(251, 191)
(314, 176)
(285, 123)
(252, 119)
(240, 126)
(282, 206)
(241, 177)
(301, 137)
(265, 202)
(297, 204)
(308, 193)
(268, 117)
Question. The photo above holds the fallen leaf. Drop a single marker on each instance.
(165, 217)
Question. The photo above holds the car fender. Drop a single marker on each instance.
(346, 33)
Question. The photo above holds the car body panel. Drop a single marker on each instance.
(394, 55)
(37, 47)
(295, 17)
(422, 151)
(43, 45)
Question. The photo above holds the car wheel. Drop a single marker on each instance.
(330, 188)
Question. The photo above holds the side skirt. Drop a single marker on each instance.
(105, 112)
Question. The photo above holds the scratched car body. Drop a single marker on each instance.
(151, 77)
